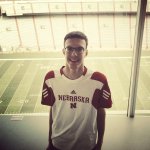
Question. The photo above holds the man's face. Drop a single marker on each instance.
(75, 51)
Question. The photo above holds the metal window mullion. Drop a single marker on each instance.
(141, 11)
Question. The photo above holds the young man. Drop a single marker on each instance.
(77, 97)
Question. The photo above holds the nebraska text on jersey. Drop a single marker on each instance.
(73, 98)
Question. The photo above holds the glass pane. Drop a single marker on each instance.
(114, 55)
(32, 42)
(143, 92)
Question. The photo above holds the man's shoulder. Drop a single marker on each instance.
(98, 76)
(52, 74)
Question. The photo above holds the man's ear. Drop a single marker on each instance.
(63, 50)
(86, 53)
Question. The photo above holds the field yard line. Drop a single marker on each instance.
(25, 114)
(123, 57)
(8, 77)
(14, 105)
(16, 59)
(38, 104)
(108, 112)
(1, 63)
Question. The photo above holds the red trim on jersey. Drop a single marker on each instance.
(61, 70)
(84, 72)
(101, 98)
(98, 76)
(48, 97)
(50, 75)
(100, 101)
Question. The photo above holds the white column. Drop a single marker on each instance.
(141, 12)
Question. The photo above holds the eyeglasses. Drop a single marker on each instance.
(70, 49)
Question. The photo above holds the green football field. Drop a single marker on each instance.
(21, 79)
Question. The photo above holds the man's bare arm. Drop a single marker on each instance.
(50, 128)
(101, 127)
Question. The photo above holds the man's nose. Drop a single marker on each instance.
(74, 52)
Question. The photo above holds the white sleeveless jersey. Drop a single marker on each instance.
(74, 107)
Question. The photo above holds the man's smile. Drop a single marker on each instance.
(73, 60)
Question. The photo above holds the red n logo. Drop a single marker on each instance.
(73, 105)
